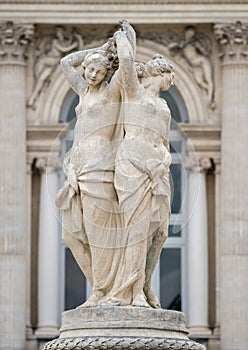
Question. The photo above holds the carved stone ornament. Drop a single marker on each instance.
(49, 49)
(203, 165)
(103, 343)
(14, 39)
(116, 327)
(49, 164)
(233, 41)
(194, 49)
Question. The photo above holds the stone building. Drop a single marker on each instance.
(203, 267)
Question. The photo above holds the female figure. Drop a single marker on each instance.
(88, 199)
(47, 62)
(142, 174)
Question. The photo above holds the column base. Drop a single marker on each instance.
(123, 328)
(199, 331)
(47, 332)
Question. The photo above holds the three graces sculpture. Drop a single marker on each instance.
(115, 202)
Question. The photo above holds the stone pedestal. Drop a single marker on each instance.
(123, 328)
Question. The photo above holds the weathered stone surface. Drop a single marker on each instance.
(122, 328)
(115, 202)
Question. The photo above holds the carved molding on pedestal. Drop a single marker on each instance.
(115, 327)
(233, 41)
(102, 343)
(14, 40)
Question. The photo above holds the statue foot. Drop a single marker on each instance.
(140, 301)
(111, 302)
(152, 298)
(92, 300)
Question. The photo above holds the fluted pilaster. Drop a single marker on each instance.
(13, 234)
(232, 39)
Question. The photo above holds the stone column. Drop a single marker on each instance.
(48, 251)
(14, 41)
(31, 342)
(232, 39)
(217, 173)
(197, 248)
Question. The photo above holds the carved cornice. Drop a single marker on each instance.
(107, 2)
(14, 40)
(233, 41)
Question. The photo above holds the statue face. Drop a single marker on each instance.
(95, 73)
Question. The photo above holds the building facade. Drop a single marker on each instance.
(203, 266)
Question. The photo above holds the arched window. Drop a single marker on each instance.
(169, 278)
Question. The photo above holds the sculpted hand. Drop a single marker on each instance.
(109, 45)
(124, 24)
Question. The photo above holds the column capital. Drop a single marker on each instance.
(233, 41)
(201, 165)
(14, 39)
(50, 164)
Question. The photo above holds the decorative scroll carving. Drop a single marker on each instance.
(194, 49)
(49, 50)
(14, 39)
(233, 40)
(103, 343)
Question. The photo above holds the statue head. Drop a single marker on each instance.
(100, 60)
(189, 32)
(158, 66)
(159, 71)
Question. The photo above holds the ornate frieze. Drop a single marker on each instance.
(193, 49)
(14, 40)
(233, 41)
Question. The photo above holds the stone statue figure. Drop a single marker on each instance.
(88, 199)
(142, 173)
(116, 200)
(195, 48)
(49, 58)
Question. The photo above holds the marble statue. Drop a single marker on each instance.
(115, 202)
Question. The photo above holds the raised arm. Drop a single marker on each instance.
(127, 70)
(71, 62)
(130, 33)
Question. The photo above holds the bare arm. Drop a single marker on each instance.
(127, 69)
(64, 49)
(69, 66)
(130, 33)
